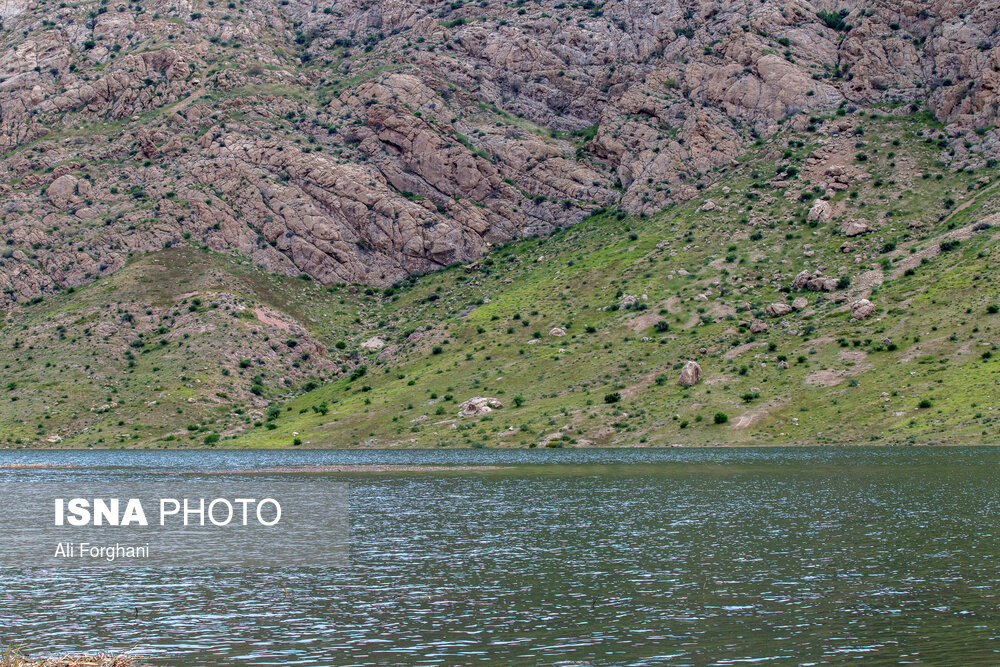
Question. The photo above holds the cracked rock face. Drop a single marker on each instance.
(368, 142)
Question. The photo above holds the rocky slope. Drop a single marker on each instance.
(370, 141)
(216, 217)
(832, 287)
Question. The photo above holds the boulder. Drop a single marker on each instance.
(690, 374)
(862, 309)
(800, 280)
(814, 282)
(778, 309)
(821, 284)
(478, 405)
(799, 303)
(758, 326)
(820, 211)
(62, 191)
(557, 331)
(855, 228)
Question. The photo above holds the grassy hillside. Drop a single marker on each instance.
(191, 348)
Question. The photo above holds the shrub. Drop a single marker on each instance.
(612, 398)
(721, 418)
(834, 20)
(924, 404)
(211, 438)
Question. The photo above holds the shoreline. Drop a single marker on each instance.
(13, 657)
(764, 445)
(346, 468)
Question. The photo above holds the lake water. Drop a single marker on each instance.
(569, 557)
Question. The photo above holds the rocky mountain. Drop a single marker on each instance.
(218, 188)
(370, 141)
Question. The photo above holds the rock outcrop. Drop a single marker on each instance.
(373, 343)
(478, 406)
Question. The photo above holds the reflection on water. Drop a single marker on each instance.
(602, 557)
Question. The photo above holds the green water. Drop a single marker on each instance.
(573, 557)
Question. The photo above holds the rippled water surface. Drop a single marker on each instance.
(568, 557)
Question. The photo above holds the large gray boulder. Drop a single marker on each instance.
(690, 374)
(862, 309)
(778, 309)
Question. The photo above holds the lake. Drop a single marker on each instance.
(567, 557)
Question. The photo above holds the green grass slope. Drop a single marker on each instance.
(191, 348)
